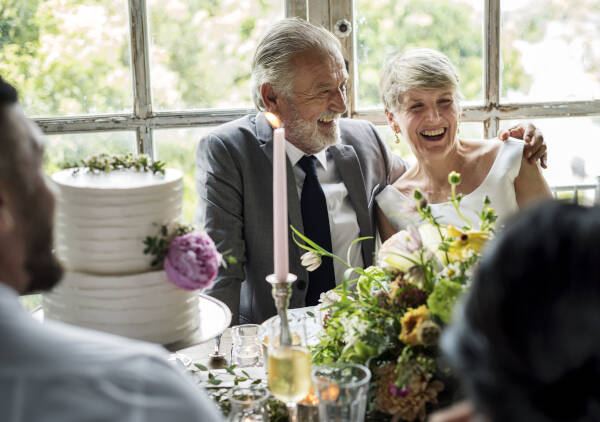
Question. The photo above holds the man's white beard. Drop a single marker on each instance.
(308, 136)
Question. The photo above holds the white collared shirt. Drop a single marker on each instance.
(55, 372)
(343, 224)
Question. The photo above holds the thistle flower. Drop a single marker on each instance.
(428, 333)
(454, 178)
(193, 261)
(310, 260)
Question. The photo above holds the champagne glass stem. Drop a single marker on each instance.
(292, 411)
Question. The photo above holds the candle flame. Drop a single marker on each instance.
(310, 399)
(273, 120)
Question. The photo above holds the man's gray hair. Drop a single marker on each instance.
(275, 51)
(421, 68)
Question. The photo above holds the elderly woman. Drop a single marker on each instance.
(422, 103)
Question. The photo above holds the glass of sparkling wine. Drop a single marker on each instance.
(289, 368)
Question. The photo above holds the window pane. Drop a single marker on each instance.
(452, 27)
(67, 56)
(556, 46)
(202, 50)
(573, 149)
(67, 148)
(177, 148)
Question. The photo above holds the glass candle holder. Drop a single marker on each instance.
(246, 349)
(248, 404)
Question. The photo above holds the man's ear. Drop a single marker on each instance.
(6, 215)
(269, 97)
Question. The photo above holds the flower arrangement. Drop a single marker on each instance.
(189, 257)
(390, 317)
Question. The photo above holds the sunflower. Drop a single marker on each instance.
(411, 321)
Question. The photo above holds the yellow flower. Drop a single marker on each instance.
(411, 322)
(465, 241)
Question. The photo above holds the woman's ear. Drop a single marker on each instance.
(269, 97)
(390, 117)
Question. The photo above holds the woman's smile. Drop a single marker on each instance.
(432, 135)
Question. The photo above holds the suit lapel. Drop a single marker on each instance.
(347, 163)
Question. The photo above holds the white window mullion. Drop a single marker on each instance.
(344, 10)
(142, 94)
(491, 60)
(296, 8)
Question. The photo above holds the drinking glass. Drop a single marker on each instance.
(342, 391)
(248, 404)
(288, 370)
(246, 345)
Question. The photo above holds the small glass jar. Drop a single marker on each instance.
(248, 404)
(246, 349)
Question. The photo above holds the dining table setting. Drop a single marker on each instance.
(249, 381)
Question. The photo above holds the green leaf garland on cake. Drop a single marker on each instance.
(109, 162)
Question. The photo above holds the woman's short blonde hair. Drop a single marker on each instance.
(421, 68)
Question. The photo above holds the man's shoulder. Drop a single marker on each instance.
(349, 124)
(356, 130)
(88, 346)
(243, 127)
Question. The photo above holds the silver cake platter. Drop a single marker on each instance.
(215, 317)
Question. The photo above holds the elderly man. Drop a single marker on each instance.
(335, 168)
(52, 371)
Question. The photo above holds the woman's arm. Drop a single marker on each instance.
(530, 185)
(386, 230)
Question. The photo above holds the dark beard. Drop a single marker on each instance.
(44, 270)
(42, 266)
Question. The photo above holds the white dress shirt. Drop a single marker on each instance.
(55, 372)
(343, 224)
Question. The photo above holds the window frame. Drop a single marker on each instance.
(143, 119)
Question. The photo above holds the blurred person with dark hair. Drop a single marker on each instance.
(53, 371)
(527, 338)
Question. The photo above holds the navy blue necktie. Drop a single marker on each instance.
(315, 219)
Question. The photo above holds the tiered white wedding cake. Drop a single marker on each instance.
(102, 219)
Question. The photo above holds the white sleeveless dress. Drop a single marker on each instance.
(498, 185)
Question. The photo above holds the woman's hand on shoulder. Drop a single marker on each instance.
(535, 147)
(530, 185)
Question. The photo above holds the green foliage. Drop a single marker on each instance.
(443, 298)
(454, 28)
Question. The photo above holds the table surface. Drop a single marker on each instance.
(199, 352)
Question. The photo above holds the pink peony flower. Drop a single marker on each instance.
(193, 261)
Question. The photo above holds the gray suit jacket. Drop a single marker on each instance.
(234, 181)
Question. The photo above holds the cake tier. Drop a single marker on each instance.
(102, 218)
(144, 306)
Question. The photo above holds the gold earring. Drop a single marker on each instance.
(397, 138)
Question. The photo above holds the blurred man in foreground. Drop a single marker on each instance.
(52, 371)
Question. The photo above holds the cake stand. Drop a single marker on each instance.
(215, 317)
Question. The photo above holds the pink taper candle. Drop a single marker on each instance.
(280, 213)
